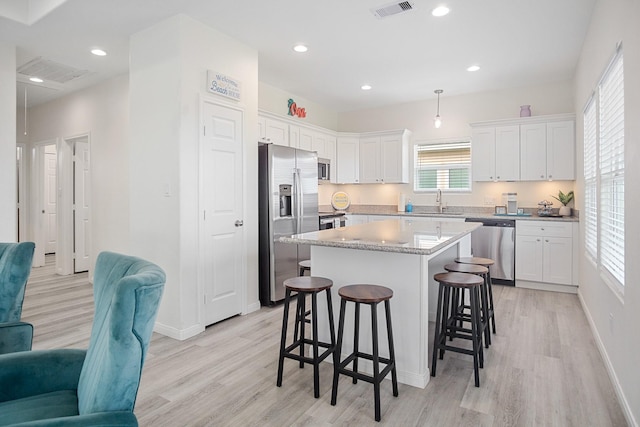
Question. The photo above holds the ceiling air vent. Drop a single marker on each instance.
(50, 70)
(393, 9)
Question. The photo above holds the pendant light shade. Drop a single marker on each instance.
(437, 121)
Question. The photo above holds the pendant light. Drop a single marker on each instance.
(437, 122)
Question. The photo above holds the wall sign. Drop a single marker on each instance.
(223, 85)
(294, 110)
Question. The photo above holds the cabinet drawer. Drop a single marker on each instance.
(544, 228)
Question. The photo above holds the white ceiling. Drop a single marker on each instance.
(404, 57)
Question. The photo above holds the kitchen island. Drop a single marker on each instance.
(402, 255)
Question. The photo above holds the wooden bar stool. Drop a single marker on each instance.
(304, 265)
(371, 295)
(448, 324)
(457, 302)
(303, 286)
(485, 262)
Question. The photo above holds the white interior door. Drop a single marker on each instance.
(50, 195)
(221, 194)
(81, 203)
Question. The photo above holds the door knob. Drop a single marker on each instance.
(239, 223)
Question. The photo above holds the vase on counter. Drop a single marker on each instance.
(525, 111)
(564, 211)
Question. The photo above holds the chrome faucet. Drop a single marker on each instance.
(439, 200)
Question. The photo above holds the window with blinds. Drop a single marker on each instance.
(611, 159)
(604, 173)
(590, 182)
(445, 166)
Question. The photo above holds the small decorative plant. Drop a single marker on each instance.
(565, 199)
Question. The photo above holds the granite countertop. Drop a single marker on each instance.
(450, 212)
(393, 235)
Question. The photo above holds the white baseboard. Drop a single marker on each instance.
(607, 363)
(178, 334)
(567, 289)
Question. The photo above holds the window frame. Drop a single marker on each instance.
(443, 143)
(609, 253)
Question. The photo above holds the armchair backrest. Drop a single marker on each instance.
(127, 292)
(15, 267)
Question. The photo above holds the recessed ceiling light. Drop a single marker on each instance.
(98, 52)
(365, 87)
(36, 79)
(300, 48)
(473, 68)
(440, 11)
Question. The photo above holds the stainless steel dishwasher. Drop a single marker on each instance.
(496, 239)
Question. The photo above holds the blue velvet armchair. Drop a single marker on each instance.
(68, 387)
(15, 267)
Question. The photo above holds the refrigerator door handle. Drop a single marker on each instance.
(297, 191)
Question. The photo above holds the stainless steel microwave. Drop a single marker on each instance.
(324, 170)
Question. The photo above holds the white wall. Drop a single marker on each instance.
(101, 111)
(8, 220)
(275, 100)
(457, 112)
(168, 69)
(615, 321)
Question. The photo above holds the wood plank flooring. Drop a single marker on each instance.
(543, 369)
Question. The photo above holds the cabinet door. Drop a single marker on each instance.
(319, 145)
(261, 131)
(561, 151)
(294, 136)
(306, 139)
(356, 219)
(508, 153)
(529, 258)
(392, 160)
(533, 152)
(277, 132)
(370, 160)
(348, 161)
(557, 260)
(483, 153)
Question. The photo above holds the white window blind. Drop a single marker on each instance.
(446, 166)
(590, 181)
(611, 160)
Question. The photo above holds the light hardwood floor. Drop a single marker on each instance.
(543, 369)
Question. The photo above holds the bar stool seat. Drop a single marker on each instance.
(457, 302)
(448, 324)
(371, 295)
(485, 262)
(303, 286)
(305, 265)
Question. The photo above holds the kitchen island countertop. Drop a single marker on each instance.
(393, 235)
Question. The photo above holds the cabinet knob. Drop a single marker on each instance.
(537, 240)
(550, 176)
(541, 176)
(547, 240)
(497, 177)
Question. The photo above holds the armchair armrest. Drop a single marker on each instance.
(30, 373)
(15, 336)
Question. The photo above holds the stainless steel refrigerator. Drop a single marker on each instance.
(288, 204)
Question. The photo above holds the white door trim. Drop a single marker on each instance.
(22, 202)
(201, 140)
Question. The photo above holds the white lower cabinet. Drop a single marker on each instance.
(353, 219)
(544, 252)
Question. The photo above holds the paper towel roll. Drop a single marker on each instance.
(401, 202)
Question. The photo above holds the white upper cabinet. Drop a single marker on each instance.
(547, 151)
(348, 160)
(495, 153)
(561, 154)
(306, 139)
(527, 149)
(384, 158)
(273, 131)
